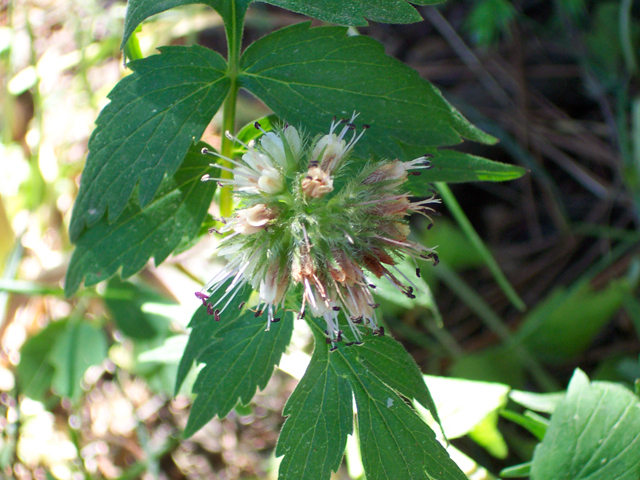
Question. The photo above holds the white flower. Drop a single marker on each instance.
(331, 149)
(255, 174)
(272, 144)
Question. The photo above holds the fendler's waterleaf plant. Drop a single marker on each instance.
(308, 234)
(315, 221)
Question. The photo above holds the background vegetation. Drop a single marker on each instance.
(87, 383)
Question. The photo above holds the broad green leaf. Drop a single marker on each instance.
(320, 417)
(356, 12)
(34, 372)
(155, 115)
(593, 434)
(394, 442)
(139, 10)
(175, 214)
(81, 346)
(309, 75)
(204, 327)
(240, 358)
(128, 313)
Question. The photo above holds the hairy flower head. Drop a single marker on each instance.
(309, 224)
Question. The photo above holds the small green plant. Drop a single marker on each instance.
(318, 214)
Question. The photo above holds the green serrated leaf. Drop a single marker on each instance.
(175, 213)
(81, 346)
(320, 411)
(394, 442)
(309, 75)
(356, 12)
(389, 362)
(155, 115)
(140, 10)
(34, 371)
(239, 359)
(592, 434)
(204, 327)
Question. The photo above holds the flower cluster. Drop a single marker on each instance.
(312, 225)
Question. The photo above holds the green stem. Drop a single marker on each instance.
(132, 49)
(228, 124)
(234, 25)
(464, 223)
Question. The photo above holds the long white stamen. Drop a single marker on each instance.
(216, 154)
(235, 292)
(236, 139)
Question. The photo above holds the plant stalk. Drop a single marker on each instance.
(233, 27)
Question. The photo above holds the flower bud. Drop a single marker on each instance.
(252, 220)
(292, 137)
(274, 284)
(328, 152)
(343, 269)
(272, 145)
(271, 181)
(387, 172)
(390, 206)
(328, 247)
(316, 183)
